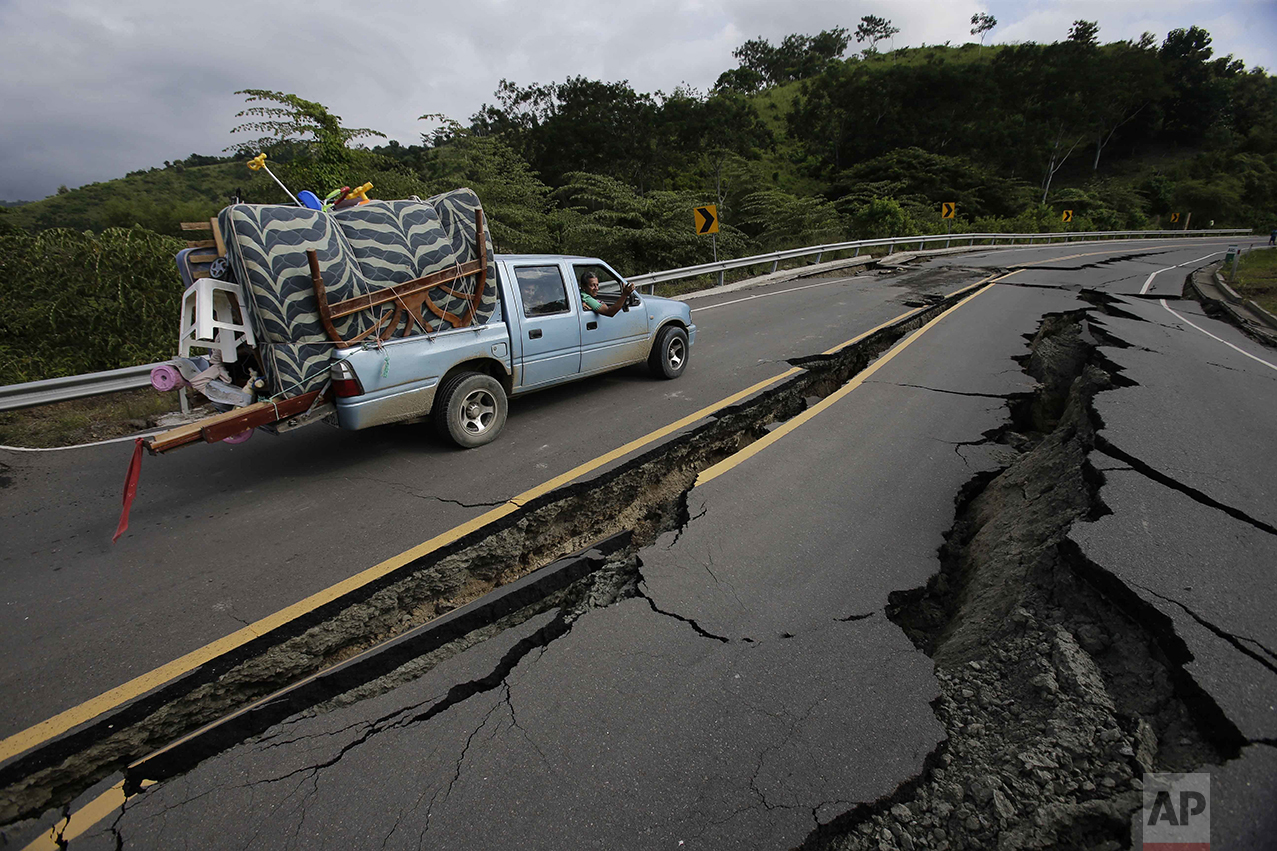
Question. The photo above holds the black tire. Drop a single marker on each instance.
(470, 409)
(669, 353)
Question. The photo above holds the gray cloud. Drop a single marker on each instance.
(93, 90)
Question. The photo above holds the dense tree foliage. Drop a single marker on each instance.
(797, 145)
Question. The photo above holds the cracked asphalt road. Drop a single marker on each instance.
(754, 690)
(253, 528)
(1194, 522)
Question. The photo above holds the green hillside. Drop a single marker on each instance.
(799, 144)
(156, 199)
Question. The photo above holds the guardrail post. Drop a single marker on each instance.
(819, 254)
(857, 254)
(775, 266)
(891, 247)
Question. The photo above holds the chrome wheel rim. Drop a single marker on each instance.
(478, 410)
(675, 353)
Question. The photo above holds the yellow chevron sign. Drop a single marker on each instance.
(1068, 216)
(1174, 218)
(706, 219)
(947, 209)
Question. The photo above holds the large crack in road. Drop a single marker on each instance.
(1060, 684)
(645, 496)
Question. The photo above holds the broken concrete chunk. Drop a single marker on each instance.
(1033, 759)
(1003, 805)
(1077, 671)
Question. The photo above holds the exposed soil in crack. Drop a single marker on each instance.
(646, 496)
(1059, 684)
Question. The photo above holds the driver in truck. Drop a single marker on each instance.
(590, 295)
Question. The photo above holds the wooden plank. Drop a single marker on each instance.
(217, 237)
(200, 273)
(191, 432)
(195, 225)
(200, 258)
(363, 302)
(254, 416)
(201, 243)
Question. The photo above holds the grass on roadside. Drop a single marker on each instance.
(1257, 278)
(85, 420)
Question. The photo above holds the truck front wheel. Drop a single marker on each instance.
(669, 353)
(470, 409)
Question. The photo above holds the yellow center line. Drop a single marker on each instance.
(84, 818)
(107, 701)
(114, 798)
(711, 473)
(69, 719)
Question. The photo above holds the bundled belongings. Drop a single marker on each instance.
(369, 252)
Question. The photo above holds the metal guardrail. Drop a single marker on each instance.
(33, 393)
(14, 396)
(653, 278)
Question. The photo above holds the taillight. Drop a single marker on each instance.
(345, 382)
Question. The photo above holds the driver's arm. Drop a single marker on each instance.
(610, 309)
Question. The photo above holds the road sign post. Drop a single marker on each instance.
(947, 211)
(705, 220)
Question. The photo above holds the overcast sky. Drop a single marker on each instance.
(92, 90)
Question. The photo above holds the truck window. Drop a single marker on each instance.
(541, 289)
(608, 283)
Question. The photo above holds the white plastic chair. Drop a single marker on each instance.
(208, 320)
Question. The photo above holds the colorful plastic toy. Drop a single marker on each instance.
(258, 163)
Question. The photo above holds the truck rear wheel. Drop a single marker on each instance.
(669, 353)
(470, 409)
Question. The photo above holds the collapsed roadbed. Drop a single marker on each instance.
(1059, 685)
(645, 496)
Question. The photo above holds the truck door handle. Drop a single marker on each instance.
(590, 326)
(534, 334)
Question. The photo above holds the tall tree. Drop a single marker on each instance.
(714, 130)
(1127, 81)
(981, 24)
(1196, 97)
(874, 29)
(305, 124)
(1084, 33)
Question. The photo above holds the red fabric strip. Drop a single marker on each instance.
(130, 489)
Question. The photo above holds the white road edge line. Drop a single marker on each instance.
(777, 292)
(1148, 283)
(1213, 337)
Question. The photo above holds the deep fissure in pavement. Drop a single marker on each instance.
(1059, 684)
(645, 495)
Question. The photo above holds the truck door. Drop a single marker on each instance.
(610, 341)
(549, 326)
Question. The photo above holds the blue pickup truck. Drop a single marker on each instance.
(392, 311)
(541, 335)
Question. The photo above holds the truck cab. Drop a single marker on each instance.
(541, 336)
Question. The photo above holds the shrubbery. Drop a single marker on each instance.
(77, 302)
